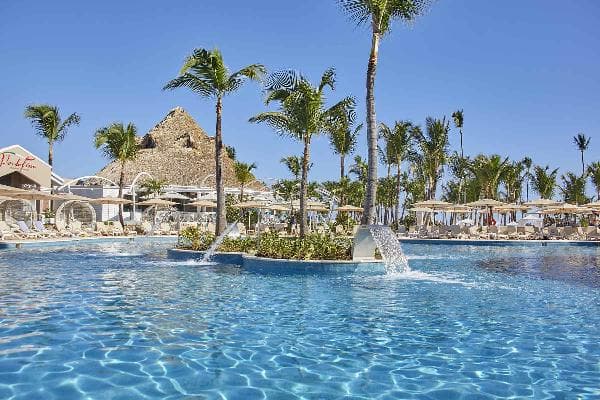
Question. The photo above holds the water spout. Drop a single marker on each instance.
(390, 249)
(213, 247)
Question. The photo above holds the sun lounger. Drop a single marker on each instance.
(41, 229)
(6, 232)
(28, 233)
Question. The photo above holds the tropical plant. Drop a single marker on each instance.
(48, 123)
(343, 138)
(230, 150)
(459, 119)
(118, 142)
(489, 172)
(302, 114)
(397, 147)
(543, 181)
(153, 187)
(573, 188)
(294, 165)
(360, 169)
(513, 178)
(243, 174)
(594, 174)
(379, 15)
(433, 146)
(310, 247)
(582, 143)
(205, 73)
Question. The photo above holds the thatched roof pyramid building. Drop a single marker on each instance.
(179, 151)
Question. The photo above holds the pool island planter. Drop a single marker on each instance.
(263, 264)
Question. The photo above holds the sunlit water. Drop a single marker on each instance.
(120, 321)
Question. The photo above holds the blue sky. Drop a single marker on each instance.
(526, 73)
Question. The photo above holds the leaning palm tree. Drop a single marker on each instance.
(343, 139)
(582, 143)
(243, 174)
(594, 174)
(118, 142)
(302, 114)
(379, 15)
(397, 147)
(47, 123)
(543, 181)
(205, 73)
(433, 144)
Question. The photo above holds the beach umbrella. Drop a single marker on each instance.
(317, 208)
(8, 190)
(5, 198)
(595, 204)
(251, 204)
(349, 208)
(34, 195)
(173, 196)
(72, 197)
(203, 203)
(541, 203)
(483, 203)
(421, 209)
(433, 204)
(110, 200)
(156, 202)
(511, 207)
(279, 207)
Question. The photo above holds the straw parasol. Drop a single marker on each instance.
(458, 209)
(34, 195)
(4, 190)
(309, 203)
(156, 202)
(565, 209)
(433, 204)
(595, 204)
(72, 197)
(421, 209)
(541, 203)
(317, 208)
(511, 207)
(5, 198)
(252, 204)
(110, 200)
(279, 207)
(202, 203)
(482, 203)
(173, 196)
(349, 208)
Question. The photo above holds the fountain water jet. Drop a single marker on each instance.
(371, 237)
(213, 247)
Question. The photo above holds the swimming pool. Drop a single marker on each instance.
(121, 321)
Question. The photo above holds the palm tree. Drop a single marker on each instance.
(594, 173)
(302, 114)
(205, 73)
(118, 143)
(360, 169)
(294, 165)
(397, 146)
(230, 150)
(153, 186)
(582, 143)
(434, 151)
(512, 178)
(379, 14)
(243, 174)
(47, 123)
(573, 188)
(459, 119)
(543, 181)
(343, 139)
(527, 163)
(489, 172)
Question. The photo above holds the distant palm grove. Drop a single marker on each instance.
(418, 163)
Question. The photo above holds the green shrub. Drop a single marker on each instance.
(191, 238)
(238, 245)
(312, 247)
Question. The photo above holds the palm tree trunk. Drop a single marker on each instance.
(221, 221)
(304, 185)
(368, 216)
(50, 153)
(582, 164)
(241, 192)
(399, 192)
(121, 183)
(342, 164)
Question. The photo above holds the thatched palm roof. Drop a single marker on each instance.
(179, 151)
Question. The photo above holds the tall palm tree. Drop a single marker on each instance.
(397, 146)
(594, 173)
(433, 144)
(573, 188)
(543, 181)
(243, 174)
(302, 114)
(582, 143)
(459, 119)
(379, 15)
(343, 138)
(118, 142)
(527, 163)
(205, 73)
(48, 123)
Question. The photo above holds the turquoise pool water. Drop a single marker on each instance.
(121, 321)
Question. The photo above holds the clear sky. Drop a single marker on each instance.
(526, 72)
